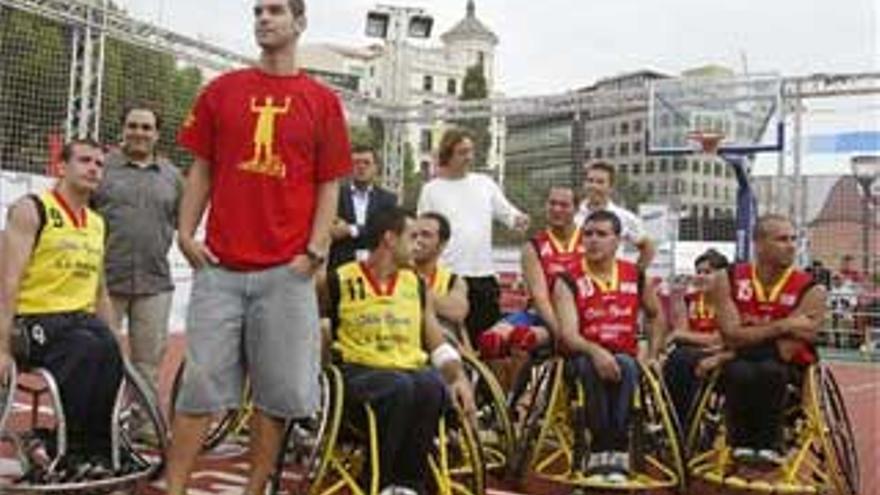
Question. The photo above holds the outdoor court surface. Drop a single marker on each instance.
(224, 471)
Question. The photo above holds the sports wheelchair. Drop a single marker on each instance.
(555, 441)
(35, 436)
(819, 449)
(326, 454)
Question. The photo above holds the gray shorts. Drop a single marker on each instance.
(260, 323)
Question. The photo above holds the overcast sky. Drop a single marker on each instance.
(553, 45)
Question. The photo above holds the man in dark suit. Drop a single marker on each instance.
(359, 201)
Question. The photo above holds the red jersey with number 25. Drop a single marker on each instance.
(758, 305)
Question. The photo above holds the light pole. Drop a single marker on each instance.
(394, 24)
(866, 169)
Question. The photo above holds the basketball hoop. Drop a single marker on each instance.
(708, 141)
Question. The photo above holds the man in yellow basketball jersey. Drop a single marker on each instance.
(450, 291)
(52, 291)
(386, 336)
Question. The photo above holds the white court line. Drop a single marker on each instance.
(857, 389)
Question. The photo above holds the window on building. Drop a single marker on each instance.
(695, 189)
(664, 188)
(719, 170)
(612, 151)
(715, 192)
(680, 186)
(728, 172)
(623, 168)
(612, 129)
(637, 147)
(428, 83)
(481, 58)
(588, 153)
(427, 141)
(695, 211)
(637, 168)
(707, 168)
(649, 167)
(727, 193)
(664, 166)
(588, 134)
(451, 87)
(637, 125)
(680, 165)
(705, 190)
(598, 153)
(649, 188)
(695, 167)
(624, 127)
(624, 149)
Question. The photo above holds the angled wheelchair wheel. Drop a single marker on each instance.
(533, 390)
(493, 426)
(223, 425)
(656, 435)
(7, 393)
(837, 434)
(458, 466)
(138, 442)
(304, 459)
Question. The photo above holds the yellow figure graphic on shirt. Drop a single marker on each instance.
(264, 160)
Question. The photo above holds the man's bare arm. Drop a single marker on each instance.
(537, 285)
(18, 243)
(654, 321)
(454, 305)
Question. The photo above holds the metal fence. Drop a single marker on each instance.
(70, 67)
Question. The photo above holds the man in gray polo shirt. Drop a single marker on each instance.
(138, 199)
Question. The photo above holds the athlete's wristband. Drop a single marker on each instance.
(444, 353)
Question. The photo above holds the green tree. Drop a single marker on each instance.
(475, 87)
(135, 75)
(34, 82)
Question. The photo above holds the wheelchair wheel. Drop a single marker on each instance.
(837, 434)
(656, 433)
(138, 441)
(305, 455)
(493, 426)
(458, 466)
(139, 429)
(534, 389)
(231, 421)
(7, 394)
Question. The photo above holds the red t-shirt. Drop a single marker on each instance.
(270, 141)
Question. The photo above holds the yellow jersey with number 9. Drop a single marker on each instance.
(376, 326)
(66, 263)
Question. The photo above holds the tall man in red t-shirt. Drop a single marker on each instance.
(269, 144)
(769, 314)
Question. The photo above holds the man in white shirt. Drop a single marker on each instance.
(470, 202)
(599, 184)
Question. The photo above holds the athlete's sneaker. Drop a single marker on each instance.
(744, 454)
(597, 463)
(770, 456)
(618, 471)
(398, 490)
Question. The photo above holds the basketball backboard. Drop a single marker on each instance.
(744, 110)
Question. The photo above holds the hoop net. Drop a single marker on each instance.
(708, 141)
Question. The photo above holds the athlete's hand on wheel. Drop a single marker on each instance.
(196, 252)
(606, 365)
(463, 396)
